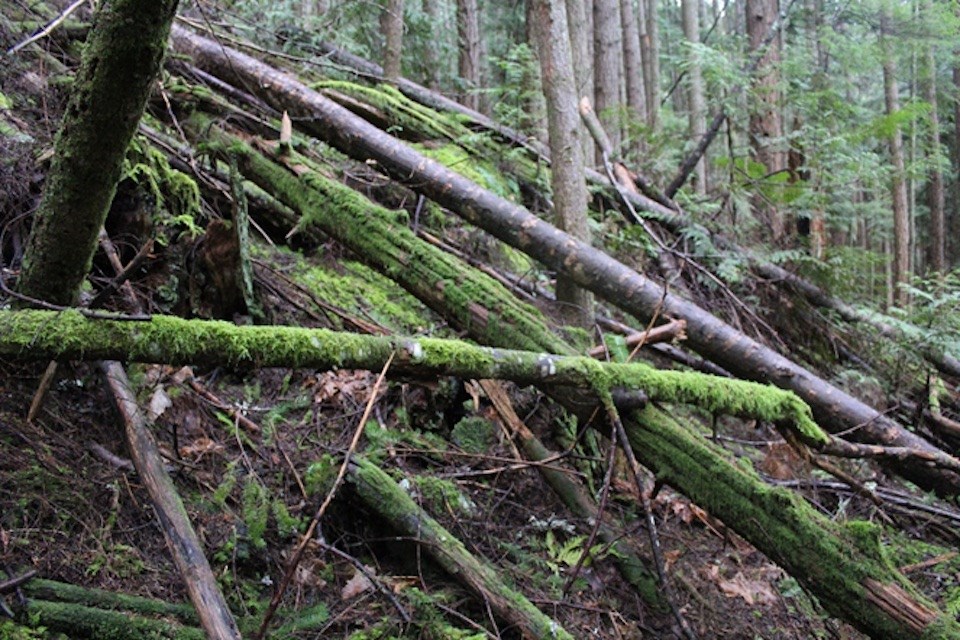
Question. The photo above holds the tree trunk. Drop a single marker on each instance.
(697, 106)
(633, 67)
(563, 124)
(608, 58)
(898, 184)
(936, 200)
(651, 61)
(468, 33)
(709, 336)
(392, 502)
(766, 121)
(391, 23)
(432, 9)
(119, 64)
(580, 37)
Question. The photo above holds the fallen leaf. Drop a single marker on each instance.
(752, 591)
(159, 402)
(355, 586)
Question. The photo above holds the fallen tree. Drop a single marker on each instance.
(663, 209)
(610, 279)
(843, 565)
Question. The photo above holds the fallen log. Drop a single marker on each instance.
(382, 494)
(608, 278)
(82, 612)
(70, 335)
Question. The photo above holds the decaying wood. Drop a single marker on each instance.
(383, 495)
(610, 279)
(185, 547)
(202, 588)
(822, 555)
(81, 612)
(35, 334)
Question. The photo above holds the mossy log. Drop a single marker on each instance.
(79, 621)
(711, 337)
(382, 494)
(54, 591)
(80, 612)
(69, 335)
(842, 564)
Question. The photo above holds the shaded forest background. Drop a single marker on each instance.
(652, 203)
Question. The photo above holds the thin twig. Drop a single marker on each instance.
(308, 536)
(645, 501)
(369, 575)
(47, 30)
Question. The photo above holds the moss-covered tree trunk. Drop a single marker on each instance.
(708, 335)
(120, 62)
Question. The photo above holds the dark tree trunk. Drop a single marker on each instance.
(120, 61)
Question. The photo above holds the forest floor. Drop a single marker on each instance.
(76, 516)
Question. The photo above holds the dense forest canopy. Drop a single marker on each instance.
(475, 319)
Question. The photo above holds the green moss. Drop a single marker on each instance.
(405, 114)
(362, 291)
(473, 434)
(86, 622)
(175, 196)
(474, 168)
(444, 495)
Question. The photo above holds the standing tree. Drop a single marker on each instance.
(432, 51)
(697, 108)
(898, 182)
(119, 65)
(766, 122)
(608, 68)
(550, 33)
(580, 38)
(633, 64)
(468, 32)
(935, 195)
(391, 23)
(650, 53)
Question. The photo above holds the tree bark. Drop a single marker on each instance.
(651, 60)
(766, 122)
(697, 107)
(567, 180)
(608, 278)
(633, 66)
(117, 70)
(935, 194)
(391, 23)
(432, 9)
(468, 32)
(580, 37)
(381, 493)
(608, 66)
(898, 182)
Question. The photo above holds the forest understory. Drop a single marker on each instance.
(320, 340)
